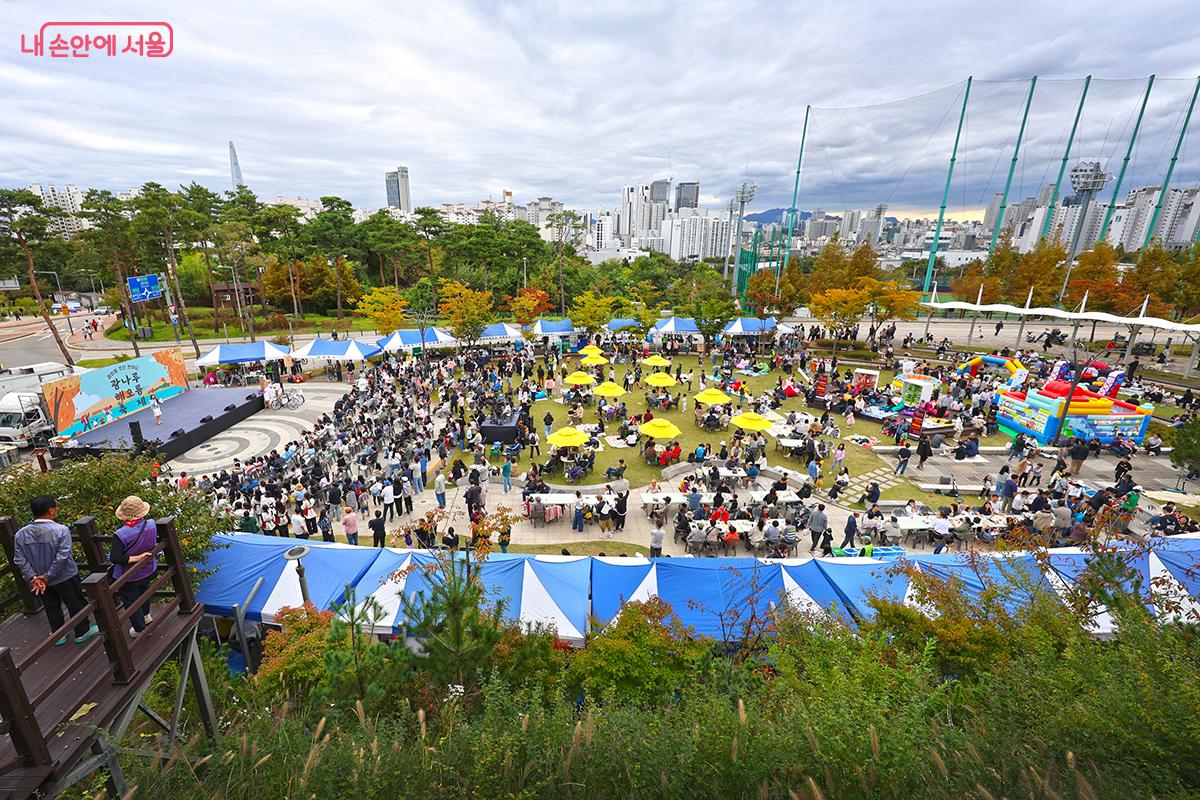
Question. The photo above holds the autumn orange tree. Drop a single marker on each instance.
(528, 305)
(468, 311)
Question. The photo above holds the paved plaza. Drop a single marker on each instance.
(272, 429)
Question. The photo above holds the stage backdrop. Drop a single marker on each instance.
(80, 402)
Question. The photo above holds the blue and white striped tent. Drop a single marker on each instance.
(243, 353)
(501, 332)
(554, 327)
(240, 559)
(336, 350)
(562, 591)
(683, 325)
(410, 338)
(749, 326)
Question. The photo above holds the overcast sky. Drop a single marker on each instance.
(574, 100)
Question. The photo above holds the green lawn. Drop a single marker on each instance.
(858, 459)
(101, 362)
(611, 548)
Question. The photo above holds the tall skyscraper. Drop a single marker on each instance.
(235, 169)
(397, 189)
(687, 195)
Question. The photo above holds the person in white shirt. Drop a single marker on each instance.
(389, 501)
(657, 534)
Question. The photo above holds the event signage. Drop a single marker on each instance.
(143, 288)
(822, 384)
(86, 400)
(918, 422)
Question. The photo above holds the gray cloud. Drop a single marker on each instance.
(574, 101)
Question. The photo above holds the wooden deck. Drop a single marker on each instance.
(72, 685)
(55, 700)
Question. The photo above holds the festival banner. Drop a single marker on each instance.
(80, 402)
(918, 422)
(822, 384)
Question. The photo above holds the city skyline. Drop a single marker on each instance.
(469, 128)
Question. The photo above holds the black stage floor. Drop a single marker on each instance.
(188, 419)
(503, 429)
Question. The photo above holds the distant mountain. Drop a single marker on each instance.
(775, 215)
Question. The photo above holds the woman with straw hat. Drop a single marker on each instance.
(133, 551)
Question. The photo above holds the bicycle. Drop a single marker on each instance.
(291, 399)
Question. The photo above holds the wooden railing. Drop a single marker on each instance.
(18, 708)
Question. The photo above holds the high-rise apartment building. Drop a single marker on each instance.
(687, 195)
(396, 182)
(695, 233)
(69, 200)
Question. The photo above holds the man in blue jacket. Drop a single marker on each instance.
(42, 552)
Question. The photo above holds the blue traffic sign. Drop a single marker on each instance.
(144, 287)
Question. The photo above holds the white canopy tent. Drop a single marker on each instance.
(1190, 330)
(1058, 313)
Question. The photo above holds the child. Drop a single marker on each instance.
(1036, 475)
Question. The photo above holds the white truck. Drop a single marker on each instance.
(24, 419)
(29, 378)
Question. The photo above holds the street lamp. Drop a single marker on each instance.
(58, 283)
(296, 554)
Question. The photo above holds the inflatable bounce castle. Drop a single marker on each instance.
(1088, 415)
(1040, 412)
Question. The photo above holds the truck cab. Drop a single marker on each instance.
(24, 419)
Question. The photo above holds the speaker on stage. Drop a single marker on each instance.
(135, 432)
(231, 407)
(206, 419)
(177, 433)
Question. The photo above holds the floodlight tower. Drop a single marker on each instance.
(1087, 178)
(743, 196)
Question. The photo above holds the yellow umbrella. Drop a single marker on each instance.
(608, 389)
(661, 379)
(594, 361)
(752, 422)
(656, 361)
(590, 350)
(713, 397)
(660, 428)
(568, 437)
(579, 379)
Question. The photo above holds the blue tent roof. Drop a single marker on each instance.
(854, 579)
(676, 325)
(328, 568)
(622, 323)
(544, 326)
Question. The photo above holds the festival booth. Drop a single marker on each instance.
(500, 332)
(554, 328)
(680, 326)
(749, 326)
(411, 339)
(239, 560)
(1041, 414)
(336, 350)
(704, 593)
(243, 353)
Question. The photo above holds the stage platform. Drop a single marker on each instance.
(188, 419)
(503, 429)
